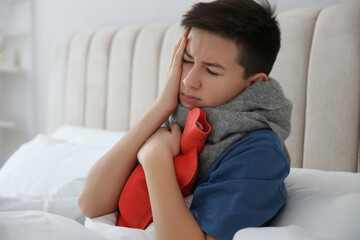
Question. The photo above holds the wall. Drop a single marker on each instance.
(17, 89)
(52, 18)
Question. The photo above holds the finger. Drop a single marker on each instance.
(175, 129)
(179, 55)
(175, 132)
(184, 41)
(186, 32)
(175, 50)
(179, 43)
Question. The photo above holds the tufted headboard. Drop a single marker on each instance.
(108, 78)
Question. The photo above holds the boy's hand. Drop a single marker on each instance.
(170, 94)
(161, 143)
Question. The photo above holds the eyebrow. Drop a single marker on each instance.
(207, 63)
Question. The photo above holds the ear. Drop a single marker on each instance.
(259, 77)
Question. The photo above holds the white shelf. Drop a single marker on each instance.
(17, 1)
(16, 34)
(7, 124)
(10, 69)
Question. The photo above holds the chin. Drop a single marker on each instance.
(185, 105)
(188, 105)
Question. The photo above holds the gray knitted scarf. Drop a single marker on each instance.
(261, 106)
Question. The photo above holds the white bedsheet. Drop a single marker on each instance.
(42, 203)
(31, 225)
(104, 226)
(43, 218)
(35, 225)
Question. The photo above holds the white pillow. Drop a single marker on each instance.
(319, 180)
(88, 136)
(325, 204)
(44, 163)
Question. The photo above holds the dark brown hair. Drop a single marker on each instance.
(253, 27)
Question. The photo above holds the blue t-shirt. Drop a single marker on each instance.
(244, 187)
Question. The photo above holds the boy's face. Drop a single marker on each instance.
(210, 74)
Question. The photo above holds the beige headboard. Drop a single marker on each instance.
(107, 79)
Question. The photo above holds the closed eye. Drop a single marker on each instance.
(212, 73)
(189, 62)
(185, 61)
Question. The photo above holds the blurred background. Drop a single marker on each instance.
(28, 30)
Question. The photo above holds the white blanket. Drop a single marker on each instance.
(30, 224)
(54, 217)
(45, 218)
(42, 203)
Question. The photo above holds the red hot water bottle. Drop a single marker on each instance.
(134, 202)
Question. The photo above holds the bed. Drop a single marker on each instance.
(103, 80)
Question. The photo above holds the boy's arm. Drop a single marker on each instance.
(109, 174)
(107, 177)
(172, 218)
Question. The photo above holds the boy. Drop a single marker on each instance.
(220, 64)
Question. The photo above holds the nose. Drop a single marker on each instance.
(192, 79)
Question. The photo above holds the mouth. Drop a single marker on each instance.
(189, 98)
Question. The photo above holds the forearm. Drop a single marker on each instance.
(172, 218)
(108, 176)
